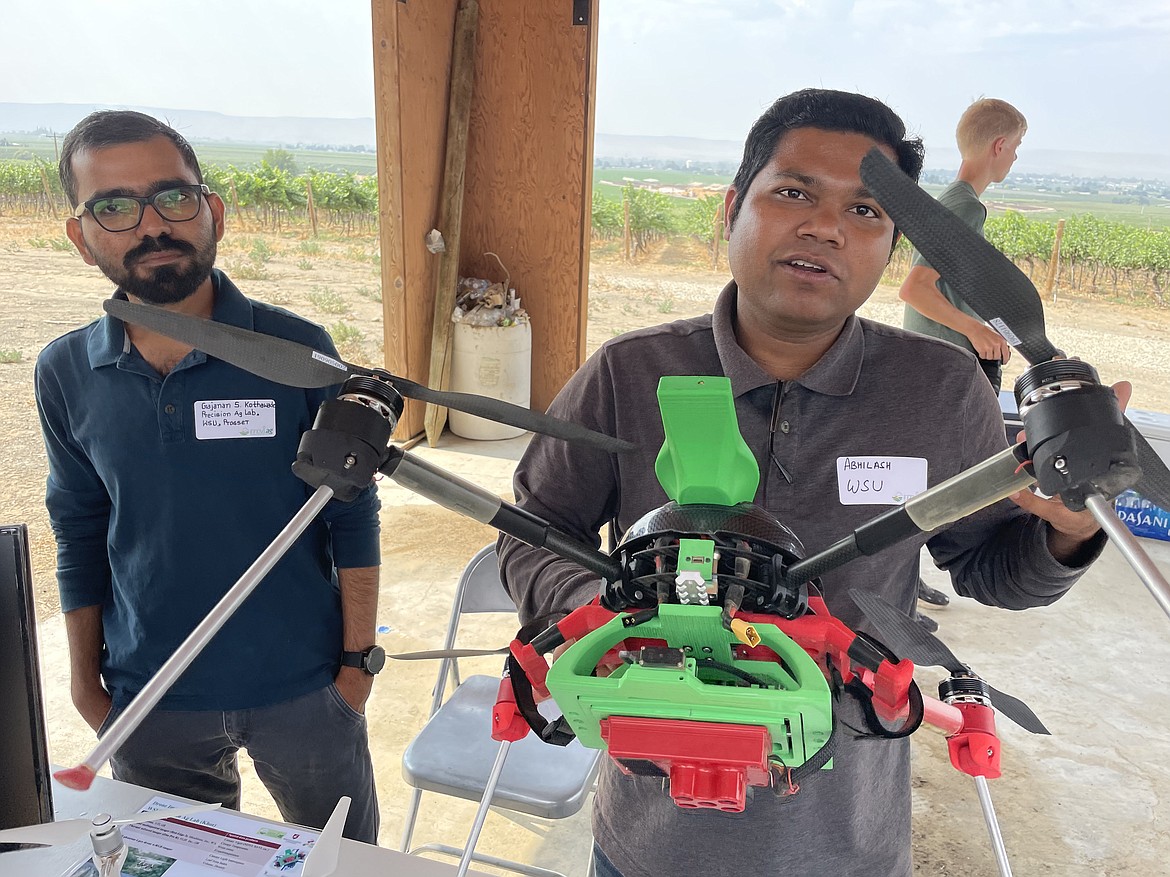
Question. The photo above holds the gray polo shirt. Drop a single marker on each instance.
(879, 392)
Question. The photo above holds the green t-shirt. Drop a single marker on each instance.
(962, 201)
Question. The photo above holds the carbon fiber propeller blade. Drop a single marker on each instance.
(434, 654)
(994, 288)
(904, 635)
(1016, 710)
(911, 640)
(296, 365)
(275, 359)
(988, 281)
(1155, 483)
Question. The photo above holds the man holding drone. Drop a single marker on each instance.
(818, 393)
(168, 476)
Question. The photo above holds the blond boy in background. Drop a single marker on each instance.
(988, 135)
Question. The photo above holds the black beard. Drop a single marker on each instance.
(169, 284)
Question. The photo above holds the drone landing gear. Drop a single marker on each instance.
(965, 715)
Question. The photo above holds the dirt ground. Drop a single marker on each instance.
(1088, 801)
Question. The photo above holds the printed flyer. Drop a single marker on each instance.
(217, 842)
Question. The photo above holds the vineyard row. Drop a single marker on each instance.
(271, 196)
(1095, 254)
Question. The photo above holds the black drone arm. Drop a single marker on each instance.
(994, 479)
(472, 501)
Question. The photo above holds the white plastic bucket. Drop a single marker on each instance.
(492, 361)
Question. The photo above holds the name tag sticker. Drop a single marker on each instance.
(235, 418)
(880, 480)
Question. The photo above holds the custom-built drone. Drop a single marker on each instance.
(709, 656)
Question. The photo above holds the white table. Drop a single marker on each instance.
(122, 799)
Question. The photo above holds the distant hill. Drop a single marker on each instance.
(1032, 161)
(200, 124)
(1069, 163)
(632, 146)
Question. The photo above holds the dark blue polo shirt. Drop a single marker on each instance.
(162, 491)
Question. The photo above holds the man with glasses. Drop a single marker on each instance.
(169, 473)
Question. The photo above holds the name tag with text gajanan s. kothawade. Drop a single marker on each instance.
(235, 418)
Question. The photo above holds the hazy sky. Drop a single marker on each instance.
(1089, 75)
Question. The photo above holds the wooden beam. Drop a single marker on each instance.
(388, 126)
(589, 98)
(526, 195)
(527, 182)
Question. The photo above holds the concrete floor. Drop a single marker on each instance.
(1089, 800)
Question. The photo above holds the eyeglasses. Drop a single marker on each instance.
(124, 212)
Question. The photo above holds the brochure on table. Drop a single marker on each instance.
(217, 843)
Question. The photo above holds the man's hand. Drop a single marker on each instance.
(92, 701)
(1067, 530)
(354, 685)
(988, 343)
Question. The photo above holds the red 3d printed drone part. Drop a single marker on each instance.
(975, 748)
(828, 640)
(79, 778)
(508, 723)
(944, 716)
(533, 664)
(710, 764)
(890, 686)
(581, 621)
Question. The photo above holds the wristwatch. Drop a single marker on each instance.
(370, 660)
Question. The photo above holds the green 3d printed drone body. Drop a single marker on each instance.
(667, 670)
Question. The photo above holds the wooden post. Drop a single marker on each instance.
(48, 193)
(1050, 283)
(236, 204)
(626, 224)
(451, 208)
(312, 207)
(717, 238)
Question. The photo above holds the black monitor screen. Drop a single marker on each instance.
(25, 797)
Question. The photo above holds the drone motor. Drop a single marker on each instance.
(348, 440)
(1078, 440)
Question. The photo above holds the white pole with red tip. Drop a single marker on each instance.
(1001, 859)
(81, 777)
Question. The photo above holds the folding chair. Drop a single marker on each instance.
(454, 754)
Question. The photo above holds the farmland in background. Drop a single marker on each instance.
(25, 147)
(1113, 243)
(1116, 239)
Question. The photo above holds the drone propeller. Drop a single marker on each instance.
(912, 641)
(296, 365)
(987, 281)
(70, 830)
(322, 859)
